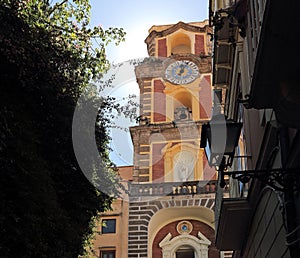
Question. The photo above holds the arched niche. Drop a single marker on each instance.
(183, 104)
(176, 154)
(179, 96)
(183, 98)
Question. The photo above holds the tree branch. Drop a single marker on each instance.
(57, 5)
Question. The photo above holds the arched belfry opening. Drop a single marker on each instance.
(180, 43)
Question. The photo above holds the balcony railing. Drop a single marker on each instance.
(172, 188)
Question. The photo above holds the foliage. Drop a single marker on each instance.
(47, 59)
(67, 26)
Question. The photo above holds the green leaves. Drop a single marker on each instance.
(48, 55)
(67, 23)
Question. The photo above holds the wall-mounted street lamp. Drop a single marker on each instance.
(219, 138)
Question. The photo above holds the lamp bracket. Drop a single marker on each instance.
(281, 179)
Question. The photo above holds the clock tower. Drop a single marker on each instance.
(171, 197)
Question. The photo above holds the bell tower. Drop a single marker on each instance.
(171, 196)
(170, 209)
(175, 97)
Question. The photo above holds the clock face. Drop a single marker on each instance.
(182, 72)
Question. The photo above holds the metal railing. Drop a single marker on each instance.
(172, 188)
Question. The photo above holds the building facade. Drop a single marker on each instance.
(111, 233)
(257, 84)
(169, 209)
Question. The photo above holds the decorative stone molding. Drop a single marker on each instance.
(184, 227)
(199, 244)
(141, 212)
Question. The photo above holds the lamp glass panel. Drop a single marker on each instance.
(218, 138)
(233, 134)
(207, 150)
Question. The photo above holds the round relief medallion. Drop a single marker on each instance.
(184, 227)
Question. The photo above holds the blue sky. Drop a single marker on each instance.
(137, 17)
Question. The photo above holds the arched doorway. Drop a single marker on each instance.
(185, 252)
(185, 246)
(162, 220)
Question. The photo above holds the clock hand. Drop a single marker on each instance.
(181, 70)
